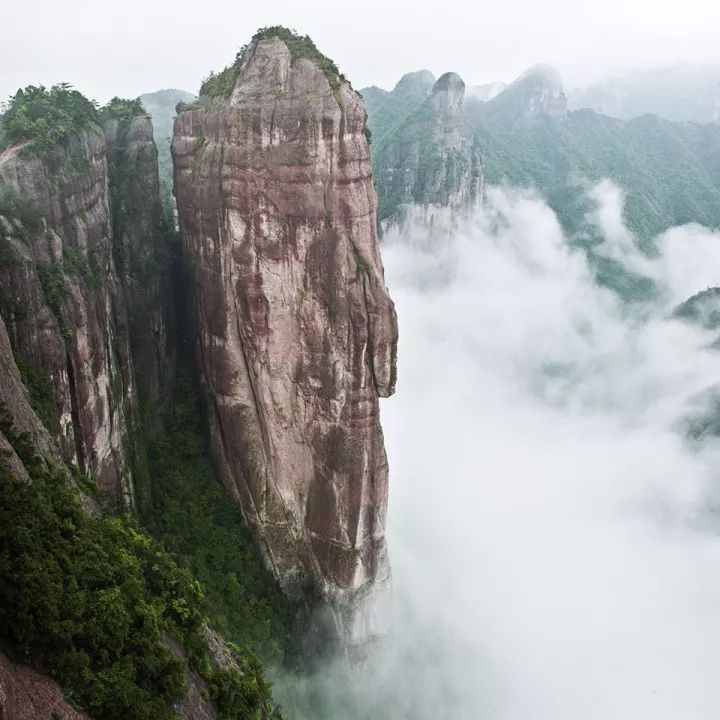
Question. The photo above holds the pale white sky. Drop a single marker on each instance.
(126, 48)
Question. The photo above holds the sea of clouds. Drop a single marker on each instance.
(552, 526)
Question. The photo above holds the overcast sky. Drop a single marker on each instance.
(112, 48)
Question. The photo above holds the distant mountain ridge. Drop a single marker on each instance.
(526, 136)
(681, 93)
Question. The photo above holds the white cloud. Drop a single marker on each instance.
(687, 255)
(548, 520)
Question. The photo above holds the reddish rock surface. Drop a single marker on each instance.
(27, 695)
(296, 331)
(76, 336)
(83, 293)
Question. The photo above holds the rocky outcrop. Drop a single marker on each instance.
(296, 332)
(85, 290)
(432, 158)
(63, 304)
(25, 694)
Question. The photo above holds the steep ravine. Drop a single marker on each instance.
(144, 255)
(296, 333)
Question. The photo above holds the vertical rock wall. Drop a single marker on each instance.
(64, 306)
(85, 291)
(296, 332)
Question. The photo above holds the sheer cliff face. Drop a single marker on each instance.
(63, 305)
(17, 417)
(297, 334)
(431, 158)
(83, 305)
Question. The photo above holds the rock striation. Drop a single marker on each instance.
(63, 303)
(85, 290)
(296, 332)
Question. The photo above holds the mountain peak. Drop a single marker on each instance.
(448, 92)
(419, 78)
(263, 65)
(538, 92)
(542, 74)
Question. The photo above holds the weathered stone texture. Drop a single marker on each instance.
(296, 331)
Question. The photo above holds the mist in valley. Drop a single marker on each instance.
(552, 529)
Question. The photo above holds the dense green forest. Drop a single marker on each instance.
(92, 601)
(669, 171)
(187, 509)
(46, 117)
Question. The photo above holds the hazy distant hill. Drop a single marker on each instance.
(526, 136)
(387, 109)
(424, 149)
(678, 93)
(161, 107)
(669, 170)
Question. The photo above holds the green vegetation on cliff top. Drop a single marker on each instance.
(300, 46)
(48, 118)
(122, 109)
(44, 117)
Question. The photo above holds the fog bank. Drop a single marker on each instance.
(554, 549)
